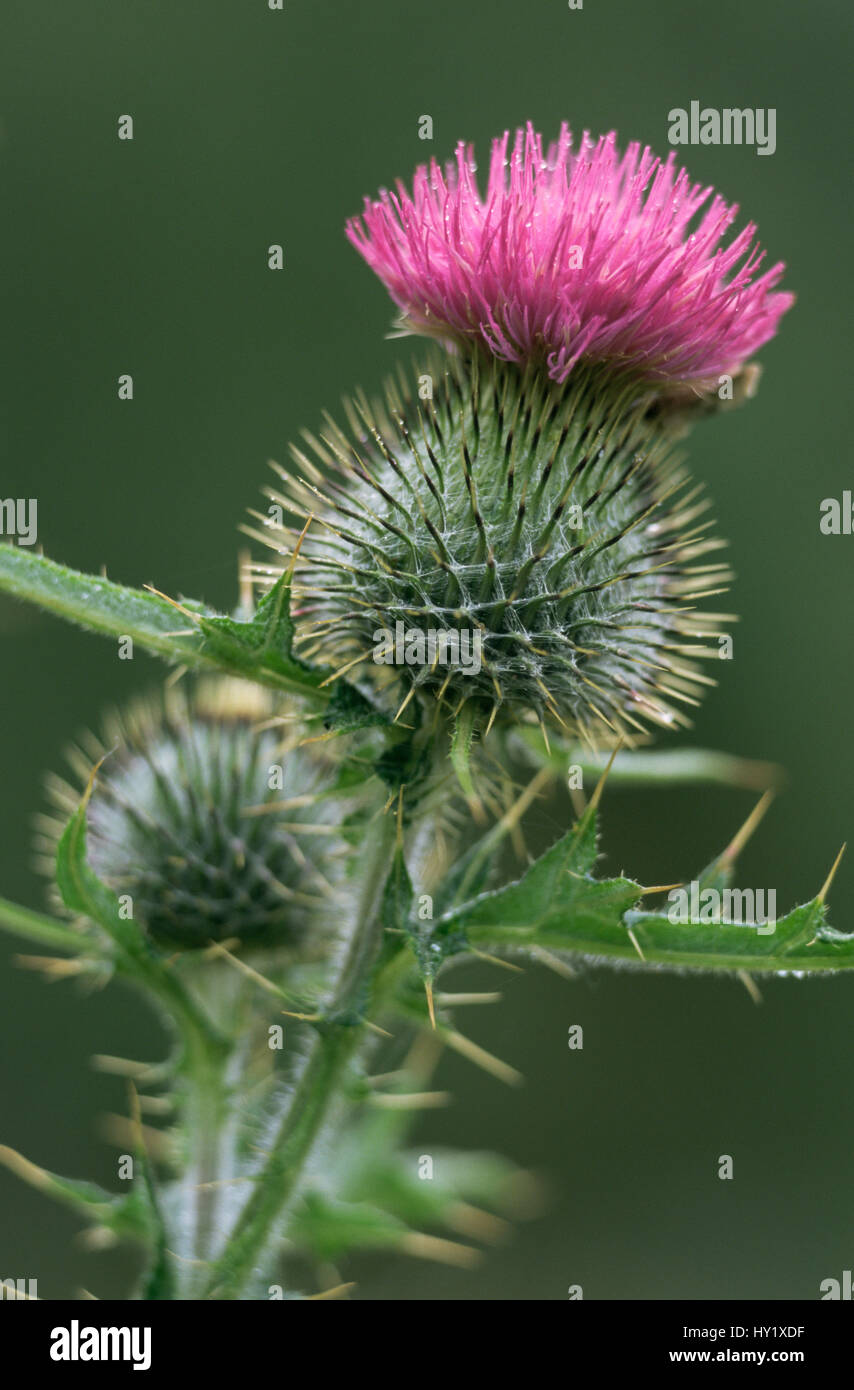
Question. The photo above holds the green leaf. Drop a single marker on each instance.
(189, 633)
(536, 910)
(392, 1183)
(330, 1229)
(398, 895)
(159, 1278)
(348, 710)
(125, 1215)
(261, 643)
(802, 942)
(84, 893)
(558, 905)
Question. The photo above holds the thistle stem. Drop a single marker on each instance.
(338, 1038)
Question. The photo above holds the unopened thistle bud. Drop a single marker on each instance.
(531, 548)
(196, 819)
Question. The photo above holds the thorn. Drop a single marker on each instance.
(416, 1100)
(661, 888)
(342, 670)
(246, 593)
(454, 1001)
(375, 1028)
(751, 986)
(156, 1105)
(194, 617)
(448, 1252)
(551, 962)
(216, 948)
(481, 1058)
(339, 1291)
(186, 1260)
(172, 679)
(22, 1168)
(634, 942)
(739, 840)
(118, 1129)
(91, 782)
(220, 1182)
(512, 817)
(600, 785)
(53, 967)
(383, 1077)
(423, 1056)
(96, 1239)
(471, 1221)
(496, 960)
(830, 877)
(406, 700)
(296, 550)
(428, 990)
(123, 1066)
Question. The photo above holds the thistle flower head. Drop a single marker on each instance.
(196, 815)
(573, 254)
(504, 542)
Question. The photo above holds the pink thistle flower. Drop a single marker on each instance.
(584, 254)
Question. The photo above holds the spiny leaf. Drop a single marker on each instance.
(159, 1279)
(262, 642)
(466, 877)
(558, 905)
(84, 893)
(393, 1183)
(330, 1229)
(398, 895)
(188, 633)
(126, 1215)
(349, 710)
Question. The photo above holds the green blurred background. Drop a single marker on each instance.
(255, 127)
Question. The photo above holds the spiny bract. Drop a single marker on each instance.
(196, 814)
(545, 536)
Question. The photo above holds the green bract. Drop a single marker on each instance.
(484, 535)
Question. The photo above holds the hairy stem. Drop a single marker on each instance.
(338, 1038)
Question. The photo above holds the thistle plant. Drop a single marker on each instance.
(495, 579)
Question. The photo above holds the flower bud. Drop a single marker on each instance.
(196, 819)
(486, 535)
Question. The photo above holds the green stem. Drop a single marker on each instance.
(338, 1039)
